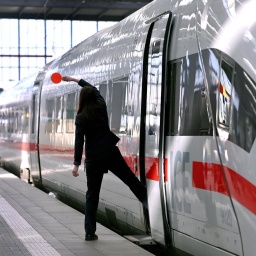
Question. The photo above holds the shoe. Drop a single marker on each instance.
(91, 237)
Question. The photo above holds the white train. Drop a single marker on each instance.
(179, 79)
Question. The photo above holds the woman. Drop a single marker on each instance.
(101, 152)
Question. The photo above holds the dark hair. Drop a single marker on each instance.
(89, 108)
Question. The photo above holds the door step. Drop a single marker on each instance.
(141, 239)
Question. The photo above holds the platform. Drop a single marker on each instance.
(34, 223)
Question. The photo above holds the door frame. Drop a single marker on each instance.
(142, 150)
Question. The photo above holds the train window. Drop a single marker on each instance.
(224, 95)
(70, 112)
(25, 120)
(14, 121)
(1, 122)
(50, 111)
(10, 121)
(186, 111)
(16, 118)
(114, 93)
(103, 90)
(59, 115)
(2, 130)
(106, 90)
(173, 92)
(243, 114)
(19, 119)
(5, 122)
(120, 110)
(33, 114)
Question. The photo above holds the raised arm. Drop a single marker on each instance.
(70, 79)
(81, 82)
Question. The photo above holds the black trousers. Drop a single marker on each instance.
(95, 170)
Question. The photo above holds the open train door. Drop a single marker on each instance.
(35, 129)
(152, 130)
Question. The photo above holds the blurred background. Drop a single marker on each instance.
(34, 32)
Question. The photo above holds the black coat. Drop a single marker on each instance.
(96, 134)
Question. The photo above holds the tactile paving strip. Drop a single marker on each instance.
(9, 244)
(30, 238)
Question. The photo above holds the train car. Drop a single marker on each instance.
(179, 80)
(15, 130)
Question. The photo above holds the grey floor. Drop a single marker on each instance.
(34, 223)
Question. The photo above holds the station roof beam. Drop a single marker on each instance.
(89, 10)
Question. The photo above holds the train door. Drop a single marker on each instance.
(154, 67)
(201, 214)
(34, 131)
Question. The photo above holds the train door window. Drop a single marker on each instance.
(153, 104)
(152, 118)
(59, 115)
(50, 114)
(120, 111)
(33, 114)
(70, 112)
(173, 94)
(224, 94)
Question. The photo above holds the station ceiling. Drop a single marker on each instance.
(89, 10)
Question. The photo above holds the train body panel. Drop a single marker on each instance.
(179, 85)
(16, 121)
(197, 207)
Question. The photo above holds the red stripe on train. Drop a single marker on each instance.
(209, 176)
(241, 190)
(206, 176)
(152, 167)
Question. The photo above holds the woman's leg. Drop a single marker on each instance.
(94, 175)
(118, 166)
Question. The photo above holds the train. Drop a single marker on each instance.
(179, 80)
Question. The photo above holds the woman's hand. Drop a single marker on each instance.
(69, 79)
(75, 171)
